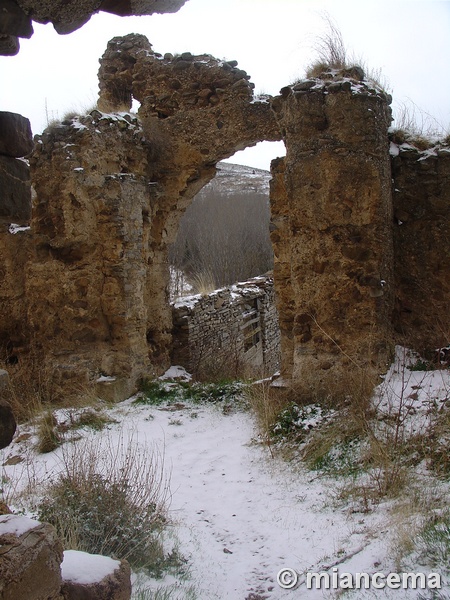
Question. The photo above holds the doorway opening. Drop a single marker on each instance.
(223, 236)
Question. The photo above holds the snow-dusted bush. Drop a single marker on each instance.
(110, 499)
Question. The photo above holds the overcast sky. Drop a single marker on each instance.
(273, 40)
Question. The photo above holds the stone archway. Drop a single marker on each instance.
(110, 190)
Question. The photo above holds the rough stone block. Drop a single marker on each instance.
(15, 190)
(30, 559)
(94, 577)
(16, 138)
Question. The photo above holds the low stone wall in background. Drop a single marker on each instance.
(228, 332)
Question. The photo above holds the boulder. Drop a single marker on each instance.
(15, 190)
(16, 138)
(7, 420)
(94, 577)
(30, 559)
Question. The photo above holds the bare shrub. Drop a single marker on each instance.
(110, 499)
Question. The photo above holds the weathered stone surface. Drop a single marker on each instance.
(333, 238)
(13, 20)
(15, 190)
(115, 584)
(69, 16)
(92, 220)
(280, 238)
(30, 558)
(7, 419)
(16, 138)
(140, 7)
(87, 287)
(421, 183)
(14, 253)
(9, 45)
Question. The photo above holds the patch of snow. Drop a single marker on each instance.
(188, 301)
(14, 228)
(427, 153)
(77, 125)
(241, 515)
(177, 372)
(83, 568)
(105, 379)
(394, 149)
(16, 524)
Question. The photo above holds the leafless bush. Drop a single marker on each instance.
(110, 498)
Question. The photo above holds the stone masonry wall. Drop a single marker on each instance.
(332, 230)
(88, 280)
(228, 331)
(110, 189)
(421, 182)
(86, 288)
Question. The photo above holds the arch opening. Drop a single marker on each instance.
(223, 237)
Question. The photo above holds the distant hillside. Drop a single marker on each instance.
(236, 179)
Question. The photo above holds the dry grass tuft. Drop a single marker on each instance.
(266, 403)
(331, 51)
(47, 431)
(204, 283)
(414, 126)
(33, 386)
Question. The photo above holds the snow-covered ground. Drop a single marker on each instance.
(241, 515)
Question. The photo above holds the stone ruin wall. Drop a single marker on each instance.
(15, 243)
(232, 330)
(86, 287)
(109, 193)
(332, 233)
(421, 198)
